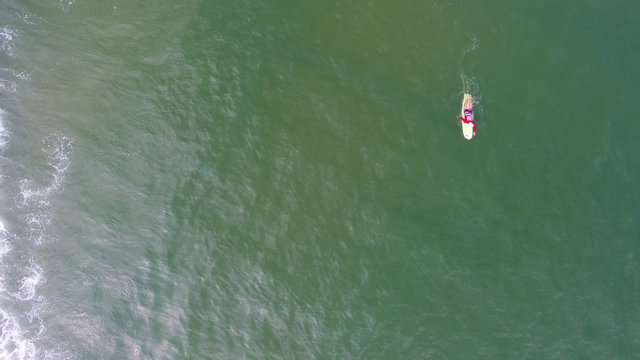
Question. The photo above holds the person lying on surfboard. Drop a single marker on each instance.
(468, 119)
(466, 116)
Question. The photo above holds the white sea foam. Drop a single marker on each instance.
(66, 4)
(475, 43)
(8, 85)
(20, 329)
(31, 195)
(21, 324)
(3, 132)
(13, 344)
(58, 148)
(29, 19)
(28, 284)
(7, 36)
(4, 249)
(8, 79)
(4, 244)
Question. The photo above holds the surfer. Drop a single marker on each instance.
(466, 113)
(468, 119)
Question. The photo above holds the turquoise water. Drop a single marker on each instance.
(287, 180)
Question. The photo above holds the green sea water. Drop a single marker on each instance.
(278, 179)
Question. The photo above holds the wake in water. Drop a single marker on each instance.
(470, 86)
(469, 83)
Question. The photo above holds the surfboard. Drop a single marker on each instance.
(467, 128)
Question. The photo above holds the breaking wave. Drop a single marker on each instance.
(20, 304)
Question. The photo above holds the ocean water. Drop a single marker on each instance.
(214, 179)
